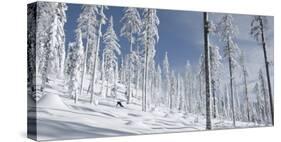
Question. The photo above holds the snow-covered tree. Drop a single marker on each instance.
(258, 102)
(158, 85)
(245, 76)
(264, 93)
(201, 82)
(111, 50)
(50, 40)
(215, 66)
(180, 92)
(31, 49)
(88, 23)
(131, 25)
(138, 68)
(101, 21)
(258, 26)
(49, 61)
(166, 77)
(207, 71)
(188, 86)
(74, 65)
(173, 88)
(61, 15)
(44, 14)
(227, 32)
(149, 38)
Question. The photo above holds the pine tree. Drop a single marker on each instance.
(43, 22)
(215, 65)
(188, 84)
(131, 25)
(245, 75)
(49, 62)
(111, 50)
(173, 88)
(227, 32)
(159, 84)
(258, 101)
(149, 38)
(264, 92)
(258, 32)
(49, 40)
(88, 23)
(207, 71)
(102, 20)
(166, 77)
(60, 11)
(74, 66)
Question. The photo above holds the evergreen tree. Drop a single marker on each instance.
(207, 71)
(258, 25)
(245, 75)
(101, 21)
(227, 32)
(166, 78)
(149, 38)
(264, 92)
(88, 23)
(111, 50)
(131, 25)
(74, 66)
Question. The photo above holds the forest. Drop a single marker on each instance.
(83, 79)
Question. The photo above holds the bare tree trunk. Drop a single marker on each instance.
(207, 72)
(267, 71)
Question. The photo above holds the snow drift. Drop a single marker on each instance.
(52, 101)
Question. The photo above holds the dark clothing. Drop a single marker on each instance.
(119, 103)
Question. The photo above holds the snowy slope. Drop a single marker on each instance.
(58, 117)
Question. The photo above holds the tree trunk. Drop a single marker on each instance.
(103, 77)
(214, 98)
(231, 84)
(137, 81)
(207, 71)
(84, 67)
(265, 100)
(213, 84)
(267, 71)
(246, 93)
(145, 79)
(130, 72)
(95, 64)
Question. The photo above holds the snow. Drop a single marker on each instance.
(51, 101)
(58, 117)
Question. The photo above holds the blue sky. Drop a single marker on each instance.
(181, 35)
